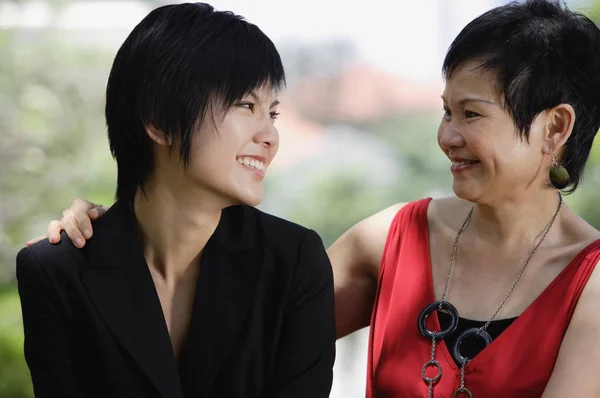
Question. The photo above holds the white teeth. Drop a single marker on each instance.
(251, 162)
(464, 163)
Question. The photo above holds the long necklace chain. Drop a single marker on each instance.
(462, 388)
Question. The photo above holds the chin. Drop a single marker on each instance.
(251, 198)
(253, 202)
(464, 191)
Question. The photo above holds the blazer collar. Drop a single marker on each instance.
(237, 229)
(117, 229)
(120, 285)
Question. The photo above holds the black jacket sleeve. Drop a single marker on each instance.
(306, 350)
(46, 341)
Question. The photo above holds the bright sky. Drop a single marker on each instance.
(407, 37)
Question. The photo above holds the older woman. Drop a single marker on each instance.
(493, 292)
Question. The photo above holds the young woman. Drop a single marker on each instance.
(185, 290)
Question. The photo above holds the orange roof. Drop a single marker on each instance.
(361, 93)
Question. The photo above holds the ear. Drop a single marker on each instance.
(559, 127)
(157, 135)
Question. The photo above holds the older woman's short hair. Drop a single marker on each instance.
(542, 55)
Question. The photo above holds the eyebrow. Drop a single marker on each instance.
(273, 104)
(471, 99)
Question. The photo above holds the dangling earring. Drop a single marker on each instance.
(559, 176)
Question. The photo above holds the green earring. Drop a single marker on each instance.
(559, 176)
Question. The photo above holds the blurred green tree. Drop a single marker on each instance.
(51, 118)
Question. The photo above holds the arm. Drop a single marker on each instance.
(356, 257)
(306, 350)
(578, 365)
(76, 221)
(46, 341)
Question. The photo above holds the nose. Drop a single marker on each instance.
(267, 136)
(449, 137)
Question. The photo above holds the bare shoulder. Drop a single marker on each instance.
(592, 288)
(578, 229)
(371, 233)
(362, 245)
(569, 377)
(587, 306)
(355, 258)
(380, 222)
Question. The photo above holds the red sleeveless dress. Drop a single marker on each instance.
(518, 364)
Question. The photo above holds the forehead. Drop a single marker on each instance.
(470, 79)
(265, 94)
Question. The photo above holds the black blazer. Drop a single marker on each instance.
(262, 323)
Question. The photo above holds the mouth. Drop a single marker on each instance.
(252, 164)
(458, 165)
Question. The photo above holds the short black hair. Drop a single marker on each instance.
(176, 63)
(542, 55)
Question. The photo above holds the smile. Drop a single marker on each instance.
(251, 163)
(462, 166)
(464, 163)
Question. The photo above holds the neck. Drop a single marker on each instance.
(175, 228)
(521, 219)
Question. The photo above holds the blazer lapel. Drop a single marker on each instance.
(121, 287)
(230, 273)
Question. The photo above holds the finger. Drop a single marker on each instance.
(93, 214)
(84, 224)
(97, 212)
(72, 229)
(35, 240)
(79, 210)
(54, 229)
(80, 206)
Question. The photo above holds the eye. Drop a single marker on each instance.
(274, 115)
(469, 114)
(247, 105)
(447, 113)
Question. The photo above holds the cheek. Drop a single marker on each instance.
(440, 132)
(514, 157)
(524, 158)
(211, 157)
(274, 148)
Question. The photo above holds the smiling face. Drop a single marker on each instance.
(230, 153)
(478, 135)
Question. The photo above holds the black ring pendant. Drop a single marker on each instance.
(462, 391)
(449, 309)
(482, 334)
(435, 378)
